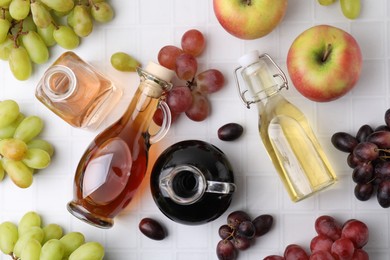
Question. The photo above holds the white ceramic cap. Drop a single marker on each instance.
(249, 59)
(160, 71)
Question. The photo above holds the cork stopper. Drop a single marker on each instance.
(160, 71)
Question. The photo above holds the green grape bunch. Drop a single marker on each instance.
(29, 28)
(22, 152)
(31, 239)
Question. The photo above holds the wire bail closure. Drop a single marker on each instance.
(280, 75)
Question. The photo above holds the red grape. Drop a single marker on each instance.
(382, 170)
(320, 243)
(226, 250)
(356, 231)
(167, 56)
(158, 117)
(263, 224)
(343, 249)
(152, 229)
(230, 132)
(353, 161)
(186, 66)
(380, 138)
(241, 242)
(200, 107)
(274, 257)
(366, 151)
(344, 142)
(360, 254)
(246, 229)
(363, 132)
(193, 42)
(179, 99)
(327, 226)
(295, 252)
(321, 255)
(383, 194)
(209, 81)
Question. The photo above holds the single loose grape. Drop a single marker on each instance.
(124, 62)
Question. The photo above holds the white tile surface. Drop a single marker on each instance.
(141, 28)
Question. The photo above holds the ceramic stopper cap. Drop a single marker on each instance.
(249, 59)
(160, 71)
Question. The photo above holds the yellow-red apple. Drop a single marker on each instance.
(324, 63)
(249, 19)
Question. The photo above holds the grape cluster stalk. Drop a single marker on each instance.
(22, 152)
(30, 238)
(28, 28)
(189, 95)
(369, 157)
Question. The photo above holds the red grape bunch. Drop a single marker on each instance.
(332, 242)
(239, 233)
(189, 94)
(369, 157)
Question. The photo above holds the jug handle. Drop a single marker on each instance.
(166, 123)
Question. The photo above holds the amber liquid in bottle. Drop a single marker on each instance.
(115, 163)
(77, 92)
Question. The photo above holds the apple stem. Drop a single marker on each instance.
(327, 52)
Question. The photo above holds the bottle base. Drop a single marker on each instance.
(82, 214)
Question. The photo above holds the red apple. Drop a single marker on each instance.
(249, 19)
(324, 63)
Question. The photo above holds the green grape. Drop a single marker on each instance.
(47, 34)
(33, 233)
(80, 20)
(19, 9)
(29, 128)
(326, 2)
(41, 15)
(5, 3)
(5, 48)
(28, 220)
(41, 144)
(29, 24)
(4, 28)
(66, 37)
(88, 251)
(71, 242)
(9, 130)
(52, 231)
(19, 173)
(36, 158)
(20, 63)
(9, 112)
(31, 250)
(52, 250)
(59, 5)
(124, 62)
(102, 12)
(2, 174)
(13, 149)
(8, 237)
(350, 8)
(36, 47)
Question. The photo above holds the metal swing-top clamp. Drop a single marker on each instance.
(251, 59)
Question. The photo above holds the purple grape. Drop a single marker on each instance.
(363, 173)
(353, 161)
(363, 132)
(241, 242)
(226, 232)
(226, 250)
(366, 151)
(387, 117)
(364, 191)
(263, 224)
(383, 193)
(344, 142)
(236, 217)
(152, 229)
(246, 229)
(380, 138)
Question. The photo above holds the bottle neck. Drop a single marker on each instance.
(59, 83)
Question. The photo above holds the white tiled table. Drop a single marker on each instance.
(142, 27)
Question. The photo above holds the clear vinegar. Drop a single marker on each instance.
(294, 149)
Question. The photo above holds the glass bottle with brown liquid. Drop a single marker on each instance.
(287, 136)
(114, 165)
(77, 92)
